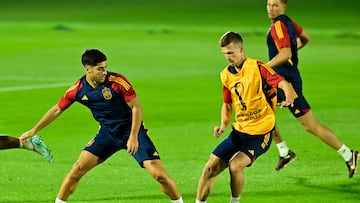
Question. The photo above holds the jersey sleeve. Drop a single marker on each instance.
(269, 75)
(227, 95)
(69, 96)
(122, 86)
(297, 27)
(280, 34)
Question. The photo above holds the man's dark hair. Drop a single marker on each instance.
(230, 37)
(92, 57)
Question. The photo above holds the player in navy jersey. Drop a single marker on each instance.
(284, 39)
(114, 104)
(35, 144)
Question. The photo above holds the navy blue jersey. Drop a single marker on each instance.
(283, 33)
(107, 102)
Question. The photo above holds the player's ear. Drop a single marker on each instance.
(284, 6)
(87, 68)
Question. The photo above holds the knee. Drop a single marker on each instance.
(236, 168)
(211, 170)
(76, 172)
(233, 169)
(160, 177)
(307, 128)
(311, 128)
(156, 170)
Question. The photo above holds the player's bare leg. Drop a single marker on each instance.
(237, 179)
(206, 182)
(8, 142)
(276, 136)
(85, 163)
(34, 144)
(311, 125)
(167, 184)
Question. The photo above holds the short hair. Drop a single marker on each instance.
(284, 1)
(92, 57)
(230, 37)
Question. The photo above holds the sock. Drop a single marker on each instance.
(28, 145)
(180, 200)
(235, 199)
(345, 152)
(57, 200)
(282, 148)
(198, 201)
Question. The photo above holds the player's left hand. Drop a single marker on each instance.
(287, 104)
(132, 145)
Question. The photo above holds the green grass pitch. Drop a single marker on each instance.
(169, 52)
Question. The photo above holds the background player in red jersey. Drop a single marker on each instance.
(246, 84)
(284, 39)
(114, 104)
(34, 144)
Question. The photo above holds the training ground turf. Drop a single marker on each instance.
(169, 52)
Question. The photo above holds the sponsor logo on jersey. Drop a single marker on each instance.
(84, 98)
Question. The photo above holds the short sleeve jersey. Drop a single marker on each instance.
(254, 113)
(283, 33)
(107, 102)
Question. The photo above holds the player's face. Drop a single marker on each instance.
(234, 54)
(275, 8)
(96, 74)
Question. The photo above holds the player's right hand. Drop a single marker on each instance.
(218, 131)
(25, 136)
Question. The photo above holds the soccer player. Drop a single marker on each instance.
(284, 39)
(114, 104)
(248, 87)
(34, 144)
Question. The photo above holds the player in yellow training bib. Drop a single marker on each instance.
(249, 88)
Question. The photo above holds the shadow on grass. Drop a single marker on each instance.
(188, 197)
(345, 190)
(151, 198)
(350, 189)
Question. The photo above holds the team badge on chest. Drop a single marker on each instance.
(106, 92)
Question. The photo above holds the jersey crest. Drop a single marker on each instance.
(106, 92)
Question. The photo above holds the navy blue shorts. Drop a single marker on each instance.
(252, 145)
(105, 144)
(301, 106)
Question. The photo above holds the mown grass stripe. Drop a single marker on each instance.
(33, 87)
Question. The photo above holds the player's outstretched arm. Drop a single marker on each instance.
(47, 118)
